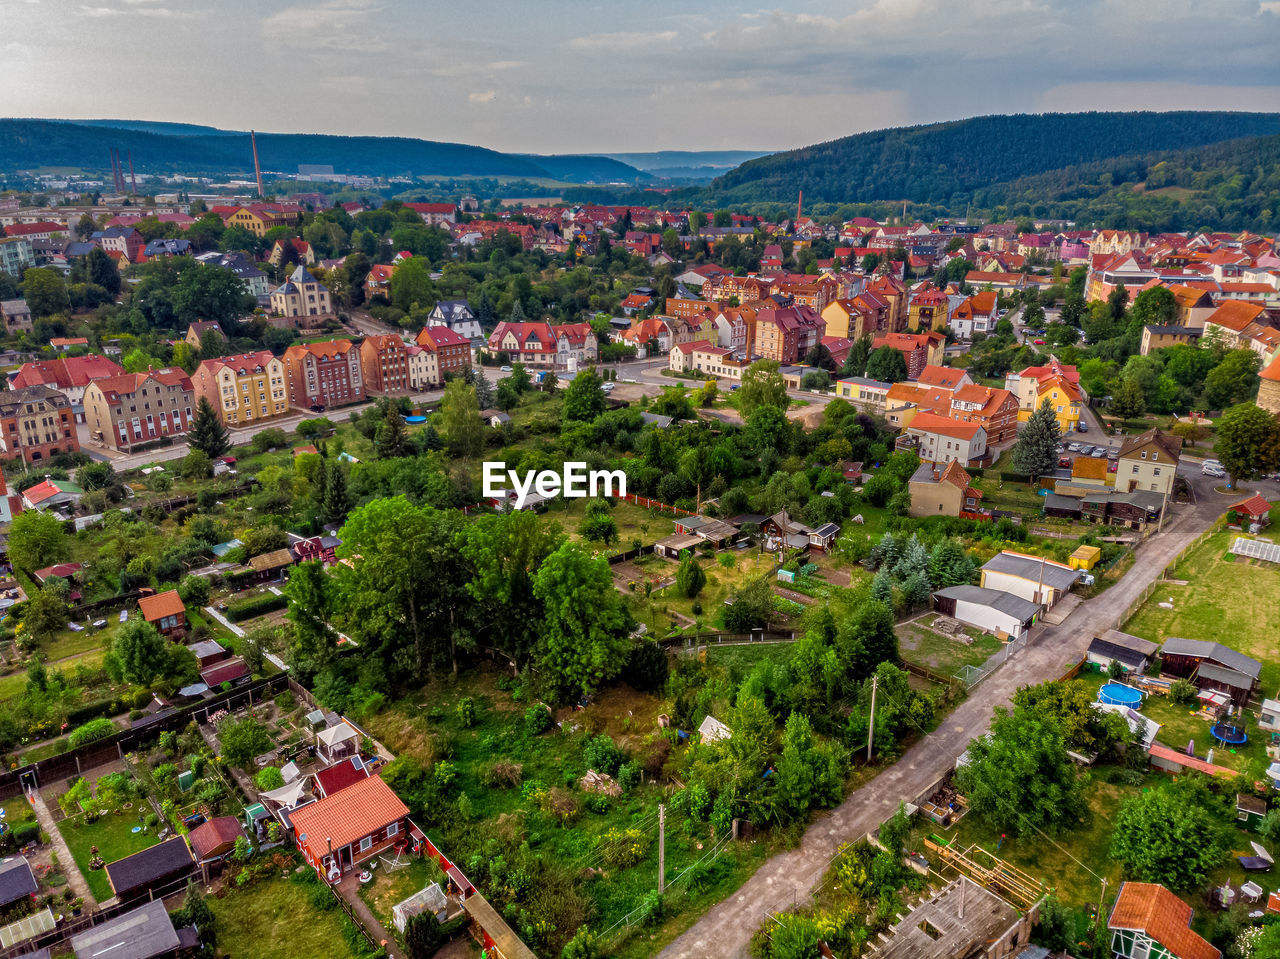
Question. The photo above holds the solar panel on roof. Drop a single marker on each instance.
(1256, 549)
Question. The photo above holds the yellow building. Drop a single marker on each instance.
(245, 388)
(1064, 397)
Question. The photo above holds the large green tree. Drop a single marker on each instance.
(762, 386)
(584, 399)
(1036, 451)
(1234, 380)
(210, 293)
(37, 539)
(141, 651)
(460, 425)
(503, 554)
(45, 291)
(1248, 442)
(887, 365)
(1019, 776)
(312, 601)
(207, 434)
(1161, 836)
(690, 577)
(402, 595)
(584, 632)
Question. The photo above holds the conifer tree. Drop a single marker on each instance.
(207, 433)
(1036, 452)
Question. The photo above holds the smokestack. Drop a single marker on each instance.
(257, 169)
(132, 179)
(799, 205)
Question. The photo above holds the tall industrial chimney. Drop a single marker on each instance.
(257, 168)
(132, 179)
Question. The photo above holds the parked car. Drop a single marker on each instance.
(1217, 472)
(1213, 462)
(1083, 427)
(1112, 467)
(1074, 447)
(1099, 451)
(608, 387)
(1113, 454)
(506, 369)
(1064, 462)
(1039, 342)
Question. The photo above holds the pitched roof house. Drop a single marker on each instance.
(350, 826)
(1148, 920)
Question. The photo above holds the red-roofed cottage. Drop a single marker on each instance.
(350, 826)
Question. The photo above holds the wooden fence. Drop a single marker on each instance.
(656, 504)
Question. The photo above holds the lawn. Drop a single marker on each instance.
(391, 887)
(275, 919)
(113, 836)
(920, 644)
(726, 572)
(1230, 600)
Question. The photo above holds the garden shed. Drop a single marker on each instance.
(431, 899)
(712, 730)
(136, 876)
(16, 880)
(1085, 557)
(990, 610)
(142, 933)
(1250, 810)
(216, 838)
(1132, 652)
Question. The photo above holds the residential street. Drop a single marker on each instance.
(788, 878)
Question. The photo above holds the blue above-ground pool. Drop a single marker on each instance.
(415, 419)
(1118, 694)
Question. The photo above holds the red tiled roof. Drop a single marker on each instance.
(65, 372)
(212, 836)
(347, 816)
(1164, 917)
(1235, 315)
(944, 425)
(30, 229)
(126, 384)
(338, 777)
(1255, 505)
(1161, 751)
(438, 336)
(161, 605)
(945, 377)
(224, 672)
(241, 362)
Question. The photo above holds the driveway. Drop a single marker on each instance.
(790, 877)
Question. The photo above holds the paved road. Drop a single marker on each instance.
(789, 878)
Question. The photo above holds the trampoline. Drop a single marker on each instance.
(415, 419)
(1118, 694)
(1228, 733)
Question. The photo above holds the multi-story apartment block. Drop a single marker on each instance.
(69, 375)
(245, 388)
(787, 334)
(16, 255)
(123, 411)
(424, 371)
(453, 351)
(36, 422)
(384, 361)
(323, 374)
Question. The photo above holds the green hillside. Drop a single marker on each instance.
(943, 163)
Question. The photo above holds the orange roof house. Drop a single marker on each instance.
(352, 825)
(165, 611)
(1147, 915)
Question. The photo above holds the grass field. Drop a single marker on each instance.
(656, 610)
(1227, 599)
(919, 644)
(114, 838)
(275, 919)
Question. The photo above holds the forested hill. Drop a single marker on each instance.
(30, 144)
(943, 163)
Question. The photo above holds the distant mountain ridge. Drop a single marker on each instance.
(942, 163)
(159, 147)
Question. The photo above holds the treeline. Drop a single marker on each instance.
(938, 163)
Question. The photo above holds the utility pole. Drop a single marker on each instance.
(871, 727)
(1101, 898)
(662, 848)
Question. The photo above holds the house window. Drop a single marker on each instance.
(393, 830)
(1144, 454)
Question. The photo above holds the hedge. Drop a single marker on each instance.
(91, 731)
(1015, 477)
(256, 606)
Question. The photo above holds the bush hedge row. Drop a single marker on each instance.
(256, 606)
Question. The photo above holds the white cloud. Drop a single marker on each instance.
(350, 27)
(483, 96)
(622, 41)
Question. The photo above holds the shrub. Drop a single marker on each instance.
(256, 606)
(597, 803)
(91, 731)
(27, 832)
(466, 712)
(503, 775)
(194, 590)
(537, 719)
(1182, 691)
(269, 778)
(621, 848)
(603, 755)
(561, 804)
(647, 667)
(629, 776)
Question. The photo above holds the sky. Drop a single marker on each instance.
(570, 76)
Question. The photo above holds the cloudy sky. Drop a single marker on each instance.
(576, 76)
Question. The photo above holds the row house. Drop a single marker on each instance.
(69, 375)
(244, 388)
(384, 363)
(1116, 241)
(735, 328)
(939, 439)
(745, 289)
(258, 218)
(301, 295)
(652, 331)
(435, 214)
(452, 349)
(305, 254)
(1025, 384)
(918, 349)
(815, 296)
(36, 422)
(123, 411)
(995, 410)
(576, 345)
(424, 372)
(685, 307)
(533, 344)
(927, 308)
(43, 230)
(641, 243)
(698, 329)
(16, 255)
(996, 281)
(787, 334)
(1231, 320)
(977, 314)
(863, 315)
(1195, 305)
(893, 292)
(323, 374)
